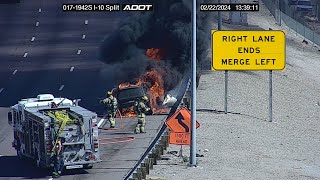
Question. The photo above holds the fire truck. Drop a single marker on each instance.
(39, 122)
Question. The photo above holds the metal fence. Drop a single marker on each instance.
(293, 24)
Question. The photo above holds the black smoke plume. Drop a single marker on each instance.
(168, 28)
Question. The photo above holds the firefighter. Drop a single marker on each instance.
(58, 162)
(142, 109)
(112, 107)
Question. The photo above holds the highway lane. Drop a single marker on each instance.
(13, 34)
(58, 38)
(46, 51)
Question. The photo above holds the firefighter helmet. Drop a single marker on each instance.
(109, 93)
(145, 98)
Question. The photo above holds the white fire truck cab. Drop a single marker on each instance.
(39, 122)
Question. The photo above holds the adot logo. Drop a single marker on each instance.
(137, 7)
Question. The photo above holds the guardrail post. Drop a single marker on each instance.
(167, 140)
(144, 172)
(151, 163)
(135, 176)
(139, 174)
(164, 142)
(154, 156)
(147, 166)
(159, 151)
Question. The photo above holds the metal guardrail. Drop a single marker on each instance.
(179, 97)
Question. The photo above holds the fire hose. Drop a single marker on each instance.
(121, 122)
(118, 140)
(104, 141)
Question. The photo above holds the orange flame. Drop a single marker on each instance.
(154, 54)
(156, 91)
(128, 112)
(125, 85)
(154, 81)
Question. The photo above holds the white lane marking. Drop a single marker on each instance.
(15, 71)
(40, 10)
(37, 23)
(61, 87)
(83, 36)
(101, 122)
(1, 90)
(71, 69)
(86, 22)
(79, 51)
(32, 39)
(25, 54)
(50, 179)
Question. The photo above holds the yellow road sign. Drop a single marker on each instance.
(248, 50)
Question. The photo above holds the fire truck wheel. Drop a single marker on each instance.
(88, 166)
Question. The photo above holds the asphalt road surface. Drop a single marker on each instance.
(45, 50)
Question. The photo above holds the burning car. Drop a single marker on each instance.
(127, 96)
